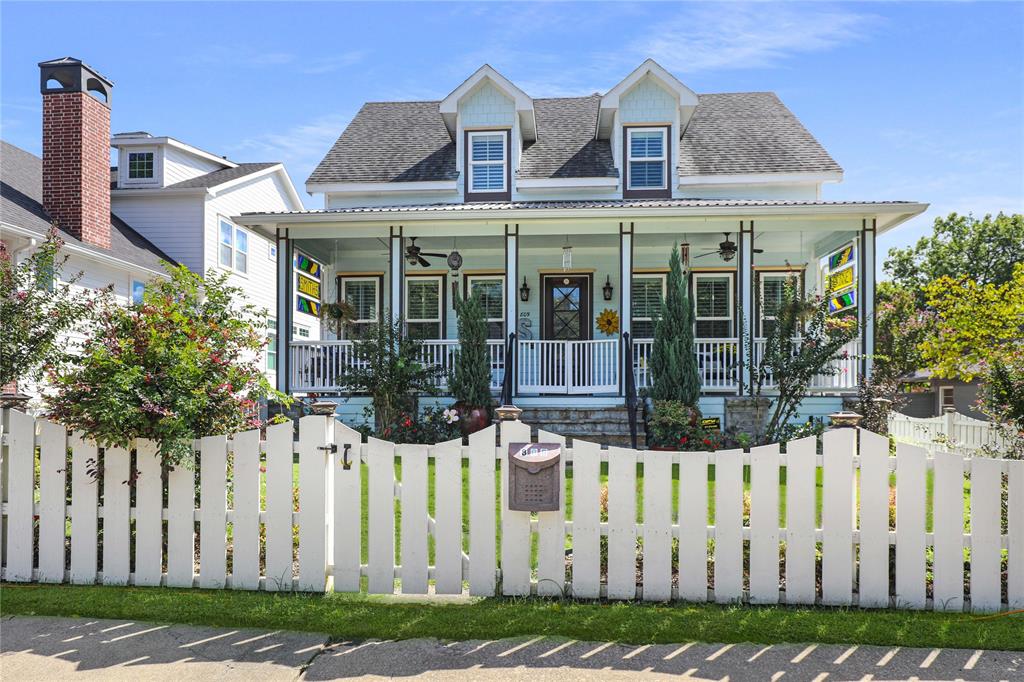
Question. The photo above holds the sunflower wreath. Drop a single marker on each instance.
(608, 322)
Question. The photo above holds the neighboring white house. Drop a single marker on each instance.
(164, 201)
(562, 208)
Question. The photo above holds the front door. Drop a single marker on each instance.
(566, 318)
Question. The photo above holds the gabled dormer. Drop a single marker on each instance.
(643, 116)
(490, 120)
(147, 162)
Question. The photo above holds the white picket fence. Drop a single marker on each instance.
(101, 535)
(950, 432)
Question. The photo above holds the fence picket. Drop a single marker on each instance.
(948, 529)
(414, 529)
(280, 503)
(213, 507)
(586, 519)
(515, 525)
(1015, 535)
(483, 566)
(986, 503)
(874, 521)
(447, 518)
(348, 512)
(693, 526)
(837, 503)
(551, 534)
(801, 493)
(381, 519)
(149, 525)
(621, 523)
(181, 527)
(910, 540)
(53, 451)
(84, 502)
(315, 433)
(764, 524)
(116, 520)
(657, 528)
(245, 527)
(728, 526)
(20, 491)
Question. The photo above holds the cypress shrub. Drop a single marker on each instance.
(673, 362)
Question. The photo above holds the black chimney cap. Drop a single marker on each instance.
(73, 75)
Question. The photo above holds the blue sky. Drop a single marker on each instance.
(916, 101)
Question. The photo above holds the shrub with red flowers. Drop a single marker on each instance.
(432, 425)
(676, 425)
(186, 363)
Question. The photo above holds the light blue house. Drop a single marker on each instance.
(559, 209)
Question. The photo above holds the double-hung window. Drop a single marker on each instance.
(363, 294)
(234, 247)
(487, 174)
(648, 291)
(647, 161)
(771, 293)
(424, 307)
(491, 291)
(713, 305)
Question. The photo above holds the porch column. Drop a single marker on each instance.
(745, 288)
(396, 272)
(625, 297)
(512, 294)
(285, 282)
(866, 305)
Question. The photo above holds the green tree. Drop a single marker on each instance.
(900, 327)
(38, 308)
(186, 363)
(1002, 399)
(673, 360)
(470, 379)
(961, 247)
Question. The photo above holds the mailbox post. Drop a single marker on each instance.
(534, 477)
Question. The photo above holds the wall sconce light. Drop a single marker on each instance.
(524, 291)
(608, 289)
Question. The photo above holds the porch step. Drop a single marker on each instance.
(604, 425)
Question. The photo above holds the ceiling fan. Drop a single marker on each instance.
(414, 256)
(726, 249)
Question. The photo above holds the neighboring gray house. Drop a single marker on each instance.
(931, 396)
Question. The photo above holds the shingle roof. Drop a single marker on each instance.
(21, 196)
(749, 132)
(221, 176)
(731, 133)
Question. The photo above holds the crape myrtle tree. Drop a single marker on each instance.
(186, 363)
(39, 307)
(673, 361)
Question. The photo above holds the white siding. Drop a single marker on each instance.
(172, 223)
(179, 165)
(487, 106)
(648, 102)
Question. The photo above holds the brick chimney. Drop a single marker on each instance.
(76, 148)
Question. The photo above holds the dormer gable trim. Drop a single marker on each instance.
(146, 140)
(610, 101)
(449, 106)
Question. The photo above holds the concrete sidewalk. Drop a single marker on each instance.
(34, 648)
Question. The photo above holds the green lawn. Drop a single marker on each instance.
(354, 616)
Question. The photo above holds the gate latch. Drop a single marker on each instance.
(332, 448)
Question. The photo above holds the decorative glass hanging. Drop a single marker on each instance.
(566, 255)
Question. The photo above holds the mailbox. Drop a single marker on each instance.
(534, 477)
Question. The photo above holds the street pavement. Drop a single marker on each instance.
(33, 648)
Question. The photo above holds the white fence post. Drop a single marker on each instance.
(84, 515)
(348, 514)
(483, 567)
(213, 512)
(53, 443)
(116, 522)
(381, 517)
(551, 535)
(621, 523)
(801, 494)
(414, 528)
(245, 528)
(149, 525)
(837, 505)
(316, 434)
(515, 525)
(20, 488)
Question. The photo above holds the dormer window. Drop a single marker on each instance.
(647, 157)
(140, 165)
(487, 168)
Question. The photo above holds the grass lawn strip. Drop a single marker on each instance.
(384, 617)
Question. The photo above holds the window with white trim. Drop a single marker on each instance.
(646, 158)
(140, 165)
(234, 247)
(488, 162)
(424, 306)
(713, 305)
(491, 290)
(771, 293)
(300, 330)
(137, 291)
(271, 345)
(648, 292)
(363, 294)
(946, 398)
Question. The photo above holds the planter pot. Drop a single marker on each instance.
(747, 415)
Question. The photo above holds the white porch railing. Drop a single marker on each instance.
(845, 377)
(717, 363)
(317, 366)
(574, 367)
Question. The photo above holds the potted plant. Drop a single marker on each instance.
(470, 374)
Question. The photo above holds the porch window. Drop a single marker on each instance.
(714, 308)
(648, 291)
(491, 290)
(363, 294)
(424, 306)
(647, 158)
(487, 163)
(771, 289)
(234, 247)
